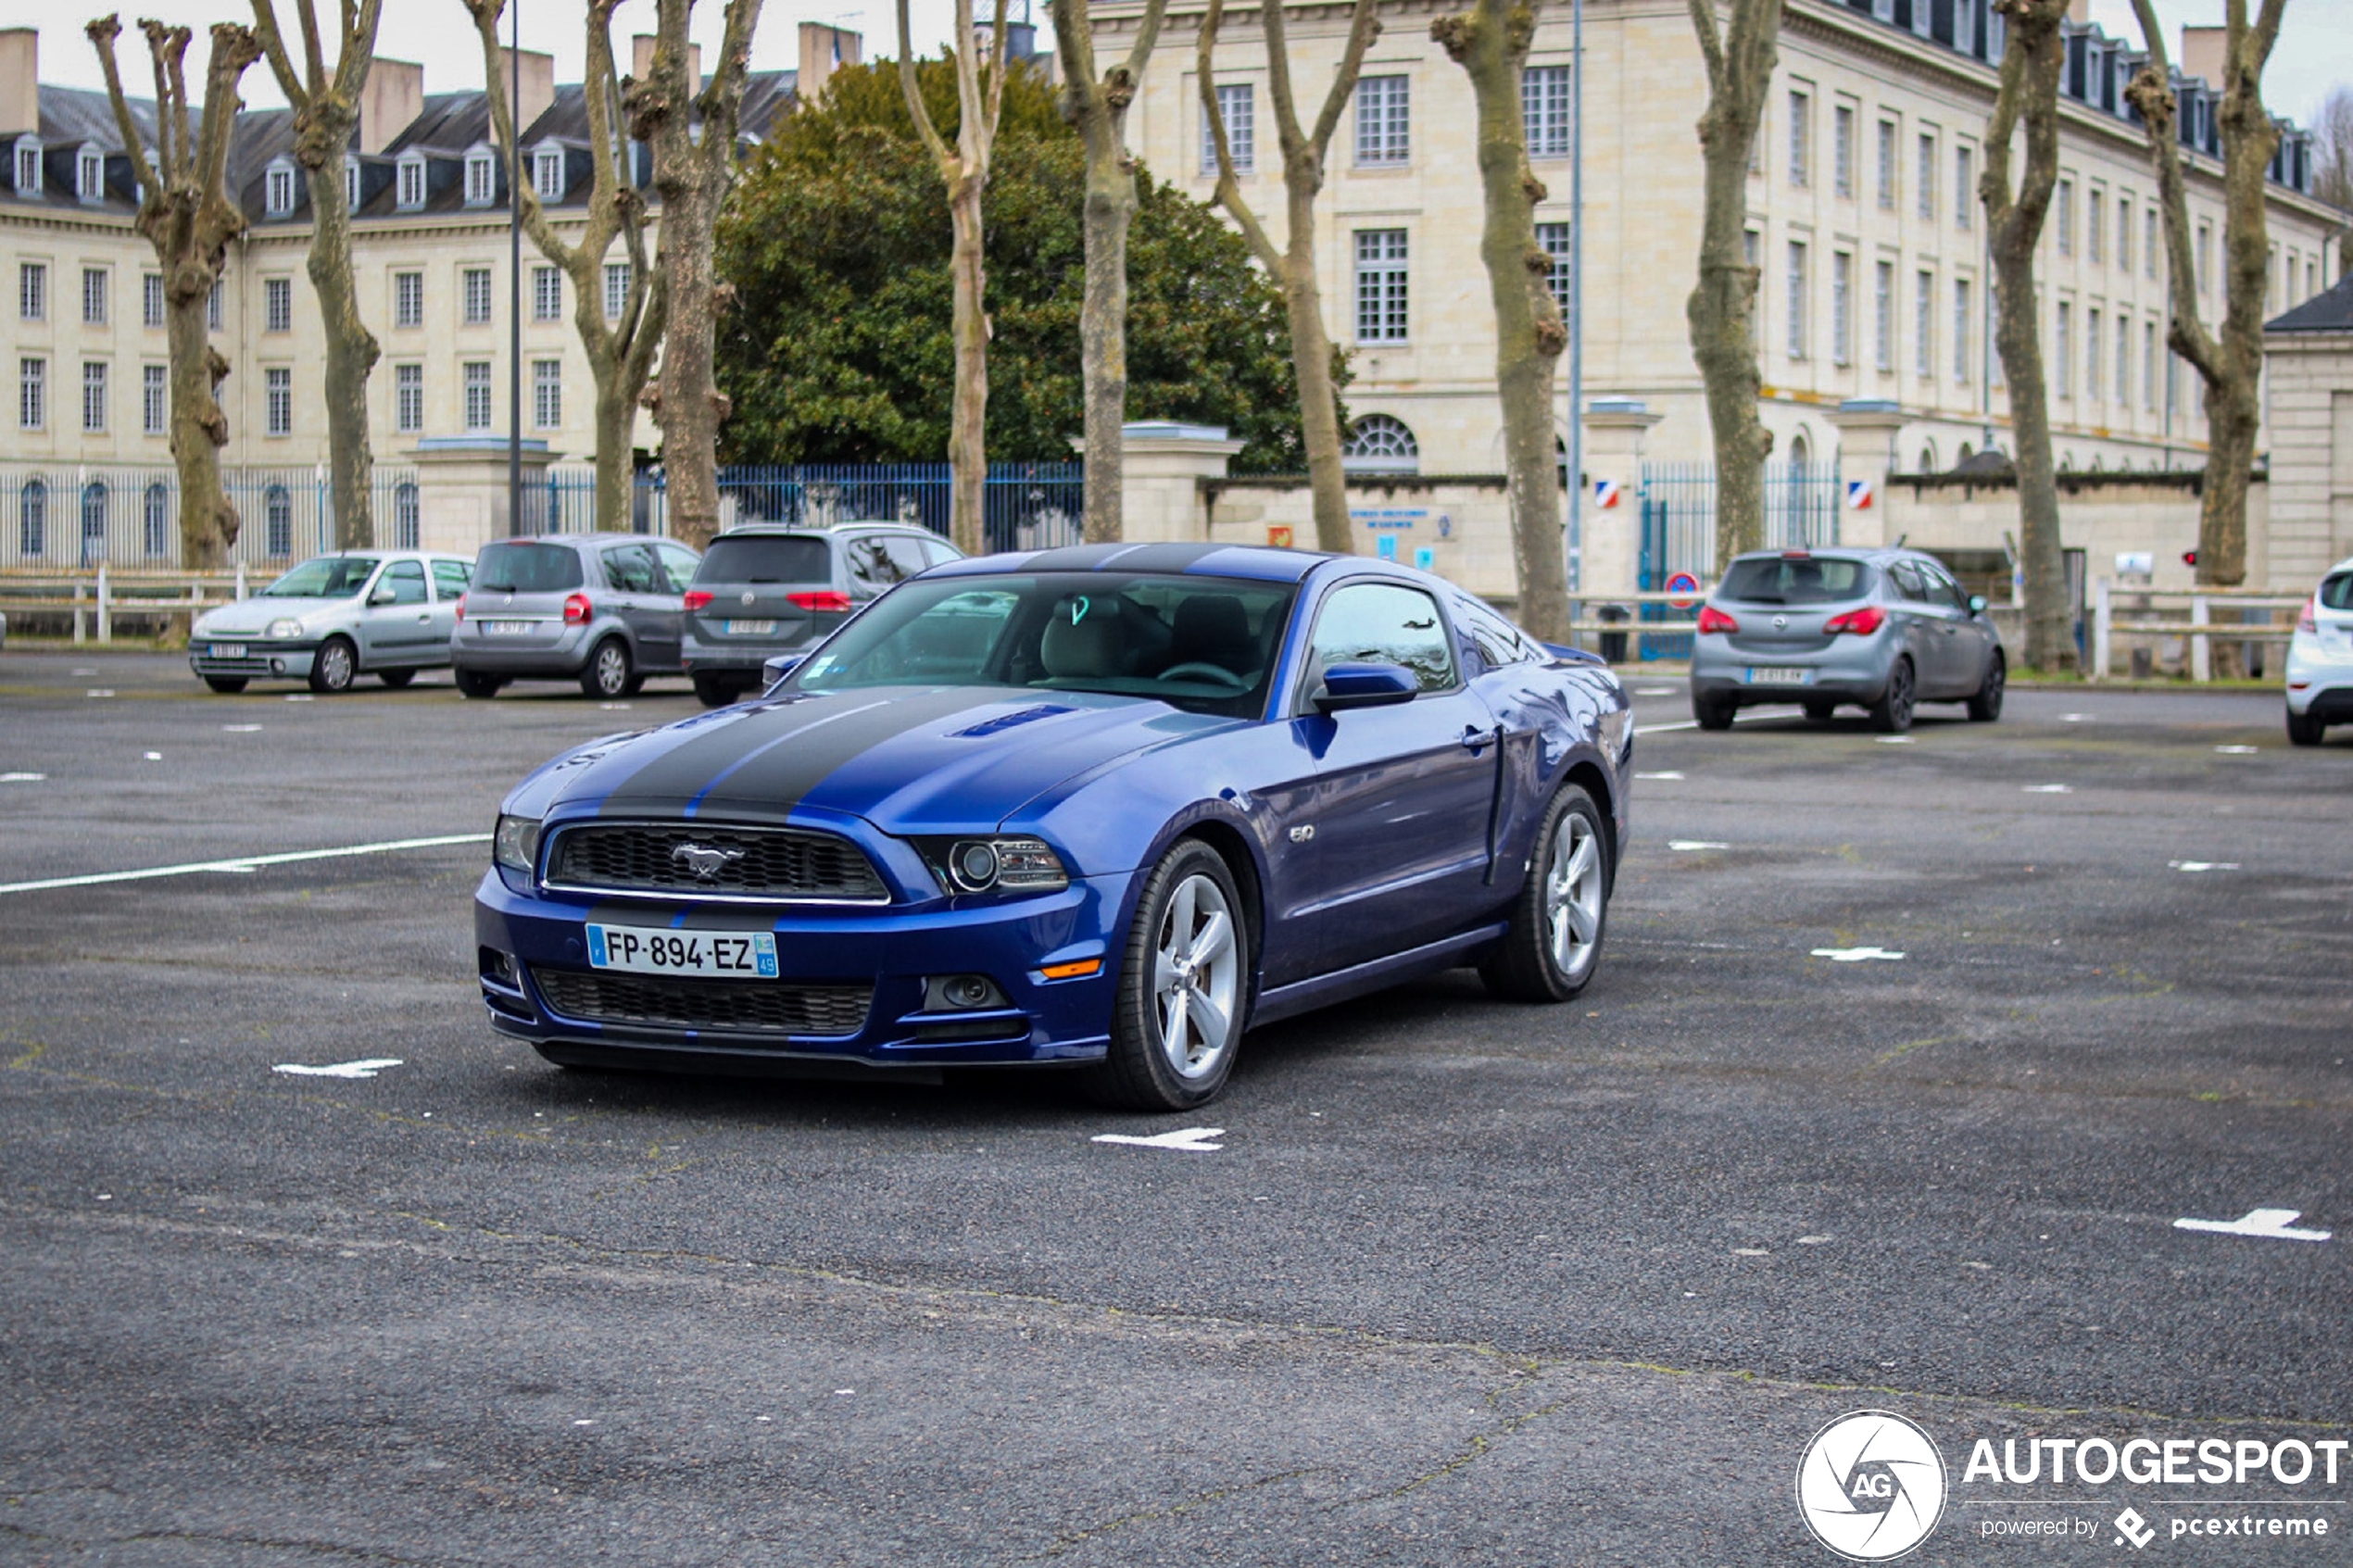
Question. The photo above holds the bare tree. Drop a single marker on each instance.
(2029, 95)
(186, 213)
(1099, 110)
(620, 350)
(2231, 365)
(326, 111)
(980, 94)
(2332, 130)
(1722, 307)
(1292, 265)
(692, 128)
(1491, 44)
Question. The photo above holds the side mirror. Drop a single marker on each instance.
(1365, 685)
(1976, 604)
(776, 669)
(384, 595)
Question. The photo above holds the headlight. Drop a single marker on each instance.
(285, 631)
(516, 843)
(996, 865)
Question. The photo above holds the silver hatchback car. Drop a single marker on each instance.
(386, 613)
(1881, 629)
(599, 608)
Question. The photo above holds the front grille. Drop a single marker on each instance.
(748, 1006)
(766, 863)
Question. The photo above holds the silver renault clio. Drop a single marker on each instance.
(1881, 629)
(386, 613)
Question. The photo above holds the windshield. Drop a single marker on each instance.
(527, 568)
(1804, 579)
(774, 558)
(323, 577)
(1204, 644)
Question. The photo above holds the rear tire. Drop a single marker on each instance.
(607, 673)
(1986, 706)
(1186, 968)
(1554, 943)
(1713, 713)
(2305, 730)
(395, 679)
(336, 666)
(714, 692)
(475, 684)
(229, 685)
(1892, 714)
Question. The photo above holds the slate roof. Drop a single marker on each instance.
(2330, 310)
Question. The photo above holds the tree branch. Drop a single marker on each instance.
(1711, 45)
(1075, 43)
(102, 32)
(1229, 193)
(914, 93)
(1147, 38)
(273, 49)
(1364, 26)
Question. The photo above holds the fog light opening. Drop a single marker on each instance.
(499, 967)
(962, 993)
(277, 667)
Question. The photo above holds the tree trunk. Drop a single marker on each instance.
(1722, 307)
(199, 429)
(1311, 351)
(616, 460)
(1103, 324)
(351, 356)
(968, 419)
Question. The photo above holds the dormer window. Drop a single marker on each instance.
(27, 166)
(278, 189)
(482, 177)
(350, 183)
(548, 173)
(90, 173)
(409, 183)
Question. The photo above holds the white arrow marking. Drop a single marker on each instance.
(365, 1069)
(1194, 1140)
(2204, 865)
(1691, 845)
(2271, 1223)
(1852, 955)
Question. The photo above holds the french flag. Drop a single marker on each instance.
(1604, 493)
(1859, 495)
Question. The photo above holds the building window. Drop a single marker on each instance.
(409, 398)
(1380, 286)
(32, 394)
(476, 379)
(1751, 254)
(151, 298)
(277, 305)
(547, 293)
(32, 517)
(1797, 300)
(2148, 240)
(2148, 366)
(617, 279)
(2205, 246)
(277, 522)
(277, 397)
(1544, 106)
(1800, 128)
(154, 398)
(1380, 444)
(548, 173)
(93, 297)
(1552, 240)
(546, 394)
(351, 184)
(2064, 203)
(2095, 229)
(2066, 366)
(278, 190)
(404, 516)
(2091, 355)
(482, 179)
(1843, 149)
(476, 293)
(213, 306)
(408, 299)
(1238, 105)
(2124, 362)
(33, 290)
(409, 193)
(1383, 121)
(1841, 307)
(158, 519)
(1963, 344)
(93, 522)
(1926, 174)
(28, 166)
(1887, 165)
(93, 397)
(2124, 233)
(1883, 317)
(1964, 186)
(90, 175)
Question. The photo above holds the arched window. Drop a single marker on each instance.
(32, 519)
(404, 516)
(277, 512)
(93, 522)
(1800, 454)
(1380, 444)
(1966, 453)
(1928, 458)
(158, 520)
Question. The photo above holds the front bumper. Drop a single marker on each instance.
(1851, 670)
(261, 661)
(893, 949)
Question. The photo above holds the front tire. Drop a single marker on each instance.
(1713, 713)
(2304, 730)
(475, 684)
(1892, 714)
(1183, 986)
(1986, 706)
(335, 667)
(229, 685)
(395, 679)
(1554, 943)
(607, 674)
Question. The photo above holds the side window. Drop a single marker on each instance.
(1384, 623)
(1498, 641)
(450, 577)
(1906, 578)
(677, 564)
(630, 569)
(906, 553)
(407, 580)
(870, 568)
(940, 550)
(1941, 589)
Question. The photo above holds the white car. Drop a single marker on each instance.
(386, 613)
(2320, 659)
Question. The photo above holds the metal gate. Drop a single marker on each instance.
(1678, 533)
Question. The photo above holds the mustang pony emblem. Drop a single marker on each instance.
(705, 861)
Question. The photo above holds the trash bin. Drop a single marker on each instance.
(1613, 642)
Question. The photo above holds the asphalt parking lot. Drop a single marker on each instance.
(1460, 1282)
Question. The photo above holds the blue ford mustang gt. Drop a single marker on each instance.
(1105, 807)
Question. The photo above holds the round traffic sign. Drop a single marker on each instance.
(1685, 587)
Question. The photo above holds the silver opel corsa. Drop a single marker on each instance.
(386, 613)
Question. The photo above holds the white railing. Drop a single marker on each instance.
(2197, 623)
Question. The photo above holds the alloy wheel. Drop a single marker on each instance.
(1196, 978)
(1573, 896)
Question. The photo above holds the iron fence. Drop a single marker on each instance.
(1025, 505)
(1678, 505)
(70, 517)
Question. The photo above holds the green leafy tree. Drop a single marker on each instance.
(840, 345)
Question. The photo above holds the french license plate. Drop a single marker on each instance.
(228, 650)
(506, 628)
(751, 628)
(1771, 675)
(719, 955)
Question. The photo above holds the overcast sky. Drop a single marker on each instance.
(2314, 54)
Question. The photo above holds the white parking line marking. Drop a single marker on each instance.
(1852, 955)
(2238, 750)
(2204, 865)
(1671, 777)
(99, 691)
(1193, 1140)
(1654, 691)
(2271, 1223)
(242, 864)
(2076, 718)
(23, 778)
(1692, 846)
(241, 729)
(2050, 789)
(368, 1068)
(152, 756)
(1895, 740)
(297, 696)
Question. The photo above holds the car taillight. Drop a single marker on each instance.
(1862, 623)
(698, 598)
(1714, 620)
(2307, 621)
(577, 610)
(461, 606)
(821, 601)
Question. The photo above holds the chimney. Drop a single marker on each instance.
(390, 103)
(20, 78)
(641, 59)
(823, 50)
(2203, 49)
(538, 92)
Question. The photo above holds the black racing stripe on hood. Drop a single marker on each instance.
(778, 754)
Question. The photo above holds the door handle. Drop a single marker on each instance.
(1476, 740)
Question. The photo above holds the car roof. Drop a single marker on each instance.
(1259, 561)
(824, 531)
(585, 540)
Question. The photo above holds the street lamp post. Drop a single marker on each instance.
(515, 273)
